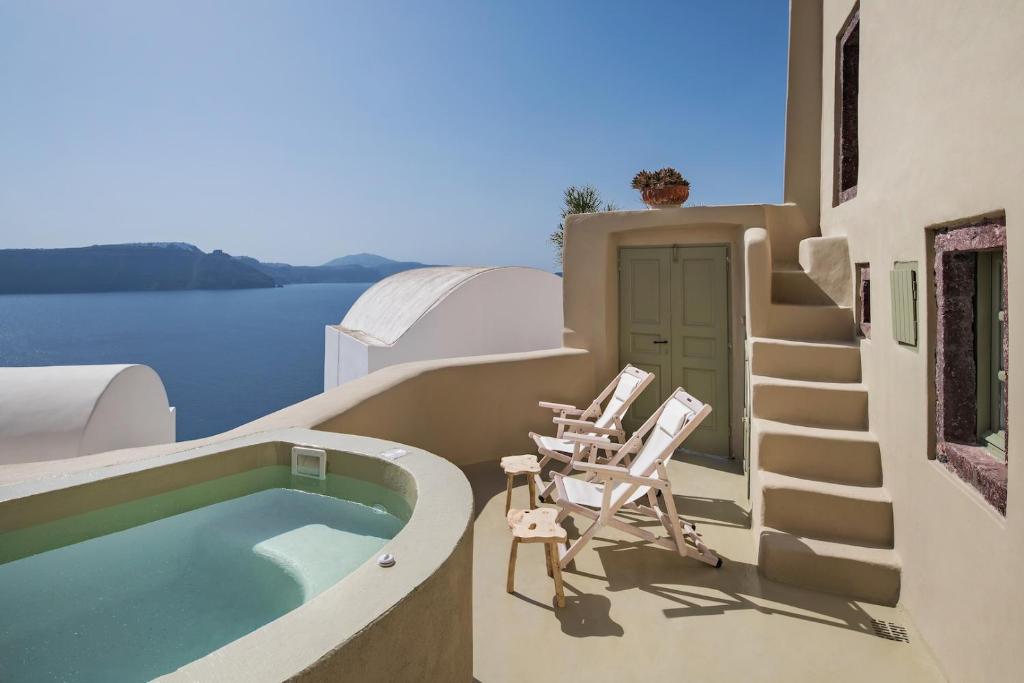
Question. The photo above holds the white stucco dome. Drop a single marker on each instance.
(54, 412)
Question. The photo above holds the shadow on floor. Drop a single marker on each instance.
(487, 481)
(712, 511)
(584, 615)
(689, 588)
(693, 589)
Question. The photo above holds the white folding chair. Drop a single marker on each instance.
(602, 425)
(614, 488)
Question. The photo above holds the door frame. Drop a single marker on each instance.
(728, 313)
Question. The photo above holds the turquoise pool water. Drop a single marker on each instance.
(142, 601)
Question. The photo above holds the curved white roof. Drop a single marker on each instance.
(53, 412)
(385, 311)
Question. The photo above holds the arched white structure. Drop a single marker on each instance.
(444, 312)
(63, 411)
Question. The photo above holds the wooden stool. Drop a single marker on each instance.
(520, 464)
(537, 526)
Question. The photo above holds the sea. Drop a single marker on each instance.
(225, 356)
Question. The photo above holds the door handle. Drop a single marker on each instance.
(661, 341)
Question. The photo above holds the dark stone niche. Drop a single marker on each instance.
(955, 367)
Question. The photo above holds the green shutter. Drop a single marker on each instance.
(903, 285)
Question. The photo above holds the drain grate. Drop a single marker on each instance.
(890, 631)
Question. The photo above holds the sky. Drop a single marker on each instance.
(442, 132)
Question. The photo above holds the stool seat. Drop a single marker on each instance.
(514, 465)
(536, 526)
(520, 464)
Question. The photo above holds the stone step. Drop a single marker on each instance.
(859, 572)
(812, 361)
(840, 456)
(827, 511)
(811, 323)
(791, 286)
(841, 405)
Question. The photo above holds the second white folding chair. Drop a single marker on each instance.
(615, 488)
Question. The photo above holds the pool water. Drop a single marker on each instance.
(143, 601)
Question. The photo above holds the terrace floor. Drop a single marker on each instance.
(635, 611)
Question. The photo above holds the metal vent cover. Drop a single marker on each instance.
(890, 631)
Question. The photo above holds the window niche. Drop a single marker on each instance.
(846, 150)
(863, 295)
(971, 355)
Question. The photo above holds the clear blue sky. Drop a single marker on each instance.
(434, 131)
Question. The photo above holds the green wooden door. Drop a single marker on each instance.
(689, 344)
(645, 324)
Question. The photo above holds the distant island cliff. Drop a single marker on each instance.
(170, 266)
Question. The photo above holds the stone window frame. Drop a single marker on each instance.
(956, 442)
(863, 299)
(846, 154)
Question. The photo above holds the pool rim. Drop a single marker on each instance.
(441, 520)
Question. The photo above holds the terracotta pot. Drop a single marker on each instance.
(665, 197)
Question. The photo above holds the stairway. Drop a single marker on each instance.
(822, 517)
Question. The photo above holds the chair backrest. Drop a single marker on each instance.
(665, 430)
(626, 388)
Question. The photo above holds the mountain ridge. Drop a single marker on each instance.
(165, 266)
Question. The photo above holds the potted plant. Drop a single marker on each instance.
(662, 189)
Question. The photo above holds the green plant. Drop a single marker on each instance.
(654, 180)
(575, 199)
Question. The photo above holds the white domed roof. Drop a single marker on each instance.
(385, 311)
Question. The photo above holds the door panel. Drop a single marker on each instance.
(700, 335)
(674, 322)
(645, 318)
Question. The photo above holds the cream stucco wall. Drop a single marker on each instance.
(941, 100)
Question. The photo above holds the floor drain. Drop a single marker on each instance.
(890, 631)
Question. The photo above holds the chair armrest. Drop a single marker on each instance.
(560, 407)
(585, 426)
(617, 473)
(588, 440)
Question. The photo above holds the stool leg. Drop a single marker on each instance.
(547, 560)
(508, 494)
(512, 566)
(533, 490)
(559, 592)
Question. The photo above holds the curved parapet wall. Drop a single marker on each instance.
(445, 312)
(56, 412)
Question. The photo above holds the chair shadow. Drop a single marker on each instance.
(722, 512)
(691, 588)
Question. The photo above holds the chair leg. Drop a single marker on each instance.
(511, 584)
(508, 494)
(579, 543)
(530, 484)
(552, 550)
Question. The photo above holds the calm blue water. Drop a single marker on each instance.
(159, 595)
(226, 357)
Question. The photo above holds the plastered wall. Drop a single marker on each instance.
(941, 102)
